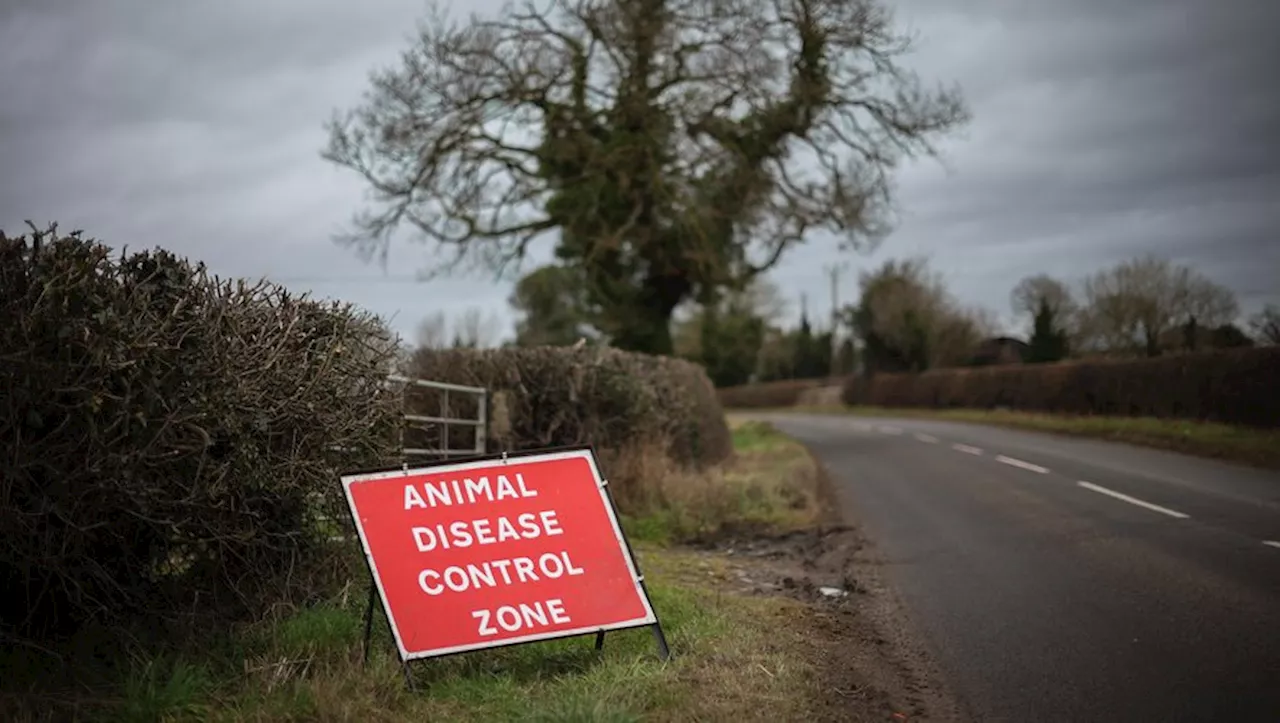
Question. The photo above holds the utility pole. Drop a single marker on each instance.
(834, 271)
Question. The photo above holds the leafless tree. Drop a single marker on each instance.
(1265, 325)
(472, 329)
(675, 145)
(1130, 306)
(1027, 296)
(433, 331)
(477, 330)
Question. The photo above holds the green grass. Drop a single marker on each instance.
(735, 657)
(759, 437)
(1247, 445)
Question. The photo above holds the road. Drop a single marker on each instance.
(1060, 579)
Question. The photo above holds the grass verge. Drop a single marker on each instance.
(1246, 445)
(736, 657)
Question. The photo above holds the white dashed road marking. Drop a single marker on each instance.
(1023, 465)
(1132, 500)
(1271, 543)
(891, 430)
(966, 449)
(927, 439)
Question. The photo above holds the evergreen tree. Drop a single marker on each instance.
(1048, 342)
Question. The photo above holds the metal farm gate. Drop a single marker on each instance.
(441, 420)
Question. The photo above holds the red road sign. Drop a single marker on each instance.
(496, 552)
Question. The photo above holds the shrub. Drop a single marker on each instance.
(1239, 386)
(169, 436)
(782, 393)
(619, 402)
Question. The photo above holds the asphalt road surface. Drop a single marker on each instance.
(1058, 579)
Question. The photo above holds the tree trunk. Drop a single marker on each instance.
(646, 326)
(648, 330)
(1152, 344)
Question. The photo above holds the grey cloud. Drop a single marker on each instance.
(1102, 129)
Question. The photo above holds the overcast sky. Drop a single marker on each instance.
(1102, 129)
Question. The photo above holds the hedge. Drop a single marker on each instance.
(613, 400)
(1239, 386)
(762, 395)
(169, 437)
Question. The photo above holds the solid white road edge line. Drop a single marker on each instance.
(1132, 500)
(1023, 465)
(966, 449)
(927, 439)
(1271, 543)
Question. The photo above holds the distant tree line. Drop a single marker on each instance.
(905, 319)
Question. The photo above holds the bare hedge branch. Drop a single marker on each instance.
(169, 437)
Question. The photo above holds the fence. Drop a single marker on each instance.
(434, 413)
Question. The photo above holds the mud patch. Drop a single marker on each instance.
(857, 636)
(812, 565)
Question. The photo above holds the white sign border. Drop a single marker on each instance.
(349, 480)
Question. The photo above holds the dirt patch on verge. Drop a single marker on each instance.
(853, 629)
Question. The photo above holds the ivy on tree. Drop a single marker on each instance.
(675, 147)
(1048, 340)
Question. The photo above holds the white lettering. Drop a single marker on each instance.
(524, 569)
(412, 498)
(513, 618)
(528, 523)
(533, 614)
(426, 587)
(550, 523)
(505, 489)
(502, 565)
(524, 491)
(569, 565)
(487, 531)
(544, 563)
(465, 490)
(478, 489)
(484, 535)
(480, 574)
(424, 545)
(505, 613)
(492, 573)
(484, 628)
(506, 530)
(438, 494)
(455, 578)
(461, 536)
(558, 615)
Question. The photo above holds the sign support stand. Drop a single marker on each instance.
(368, 635)
(664, 651)
(368, 619)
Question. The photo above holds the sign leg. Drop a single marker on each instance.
(600, 640)
(664, 652)
(368, 620)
